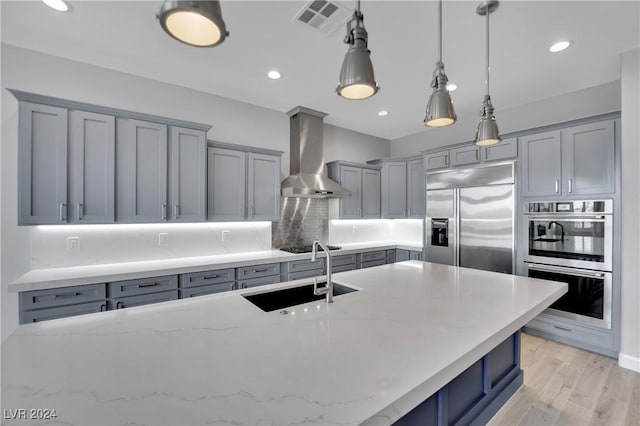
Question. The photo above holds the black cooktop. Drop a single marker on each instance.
(305, 249)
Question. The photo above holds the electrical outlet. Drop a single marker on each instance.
(73, 243)
(225, 235)
(163, 239)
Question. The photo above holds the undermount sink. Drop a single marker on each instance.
(548, 240)
(284, 298)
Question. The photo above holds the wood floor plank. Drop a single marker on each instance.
(591, 382)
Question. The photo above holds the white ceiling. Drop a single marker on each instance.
(126, 36)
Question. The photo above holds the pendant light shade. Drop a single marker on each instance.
(487, 132)
(440, 111)
(196, 23)
(357, 80)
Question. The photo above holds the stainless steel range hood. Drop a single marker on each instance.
(307, 178)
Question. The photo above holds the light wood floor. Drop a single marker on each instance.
(568, 386)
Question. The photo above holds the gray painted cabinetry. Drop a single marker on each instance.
(403, 187)
(469, 154)
(187, 175)
(242, 184)
(416, 207)
(42, 305)
(541, 157)
(363, 181)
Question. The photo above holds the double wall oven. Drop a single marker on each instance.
(572, 242)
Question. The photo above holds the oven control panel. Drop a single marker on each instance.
(573, 206)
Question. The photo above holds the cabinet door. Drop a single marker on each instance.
(465, 155)
(92, 144)
(226, 184)
(351, 206)
(589, 159)
(394, 192)
(263, 190)
(504, 149)
(415, 189)
(42, 179)
(144, 146)
(371, 197)
(436, 160)
(187, 175)
(541, 159)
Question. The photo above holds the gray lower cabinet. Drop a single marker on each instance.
(373, 258)
(263, 189)
(416, 189)
(203, 290)
(141, 171)
(209, 282)
(464, 155)
(258, 281)
(299, 269)
(402, 255)
(135, 287)
(345, 262)
(92, 154)
(40, 305)
(187, 175)
(541, 164)
(415, 255)
(42, 158)
(143, 299)
(227, 184)
(257, 275)
(364, 183)
(391, 256)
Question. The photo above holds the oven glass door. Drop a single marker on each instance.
(577, 242)
(588, 299)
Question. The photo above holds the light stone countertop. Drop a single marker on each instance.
(39, 279)
(368, 358)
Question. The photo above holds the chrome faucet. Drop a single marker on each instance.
(553, 222)
(328, 288)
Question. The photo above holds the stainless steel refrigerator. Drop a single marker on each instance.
(470, 217)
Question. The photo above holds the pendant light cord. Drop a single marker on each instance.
(488, 50)
(439, 31)
(358, 6)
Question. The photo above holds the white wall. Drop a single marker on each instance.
(583, 103)
(408, 231)
(630, 310)
(233, 122)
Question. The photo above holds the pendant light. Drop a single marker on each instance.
(487, 132)
(356, 76)
(440, 110)
(196, 23)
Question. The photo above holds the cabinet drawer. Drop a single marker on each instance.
(465, 155)
(306, 274)
(391, 256)
(62, 312)
(373, 255)
(402, 255)
(344, 268)
(370, 263)
(254, 282)
(206, 289)
(306, 265)
(142, 286)
(208, 277)
(415, 255)
(346, 259)
(143, 299)
(573, 331)
(52, 297)
(258, 271)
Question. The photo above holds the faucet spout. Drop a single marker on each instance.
(553, 222)
(328, 289)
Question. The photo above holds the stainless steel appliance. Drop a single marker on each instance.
(588, 299)
(305, 249)
(470, 217)
(577, 234)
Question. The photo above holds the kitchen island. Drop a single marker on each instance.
(369, 358)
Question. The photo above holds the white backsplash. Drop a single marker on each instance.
(364, 230)
(100, 244)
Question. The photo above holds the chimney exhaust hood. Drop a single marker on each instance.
(307, 178)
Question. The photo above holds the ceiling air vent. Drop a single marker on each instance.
(325, 16)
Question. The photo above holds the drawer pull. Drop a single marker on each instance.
(210, 277)
(103, 307)
(67, 295)
(119, 305)
(260, 270)
(562, 328)
(147, 285)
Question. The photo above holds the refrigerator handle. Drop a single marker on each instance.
(456, 227)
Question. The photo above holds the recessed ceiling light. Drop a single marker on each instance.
(559, 46)
(383, 113)
(451, 86)
(274, 75)
(59, 5)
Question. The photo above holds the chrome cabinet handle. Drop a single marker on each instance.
(63, 207)
(446, 159)
(79, 211)
(562, 328)
(570, 186)
(103, 307)
(557, 186)
(163, 212)
(176, 211)
(67, 295)
(147, 285)
(119, 305)
(260, 270)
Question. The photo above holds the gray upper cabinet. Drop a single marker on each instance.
(464, 155)
(42, 177)
(541, 164)
(416, 189)
(505, 149)
(394, 189)
(364, 182)
(187, 175)
(371, 187)
(436, 160)
(142, 159)
(263, 189)
(226, 184)
(588, 153)
(91, 167)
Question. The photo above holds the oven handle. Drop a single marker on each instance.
(567, 271)
(567, 217)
